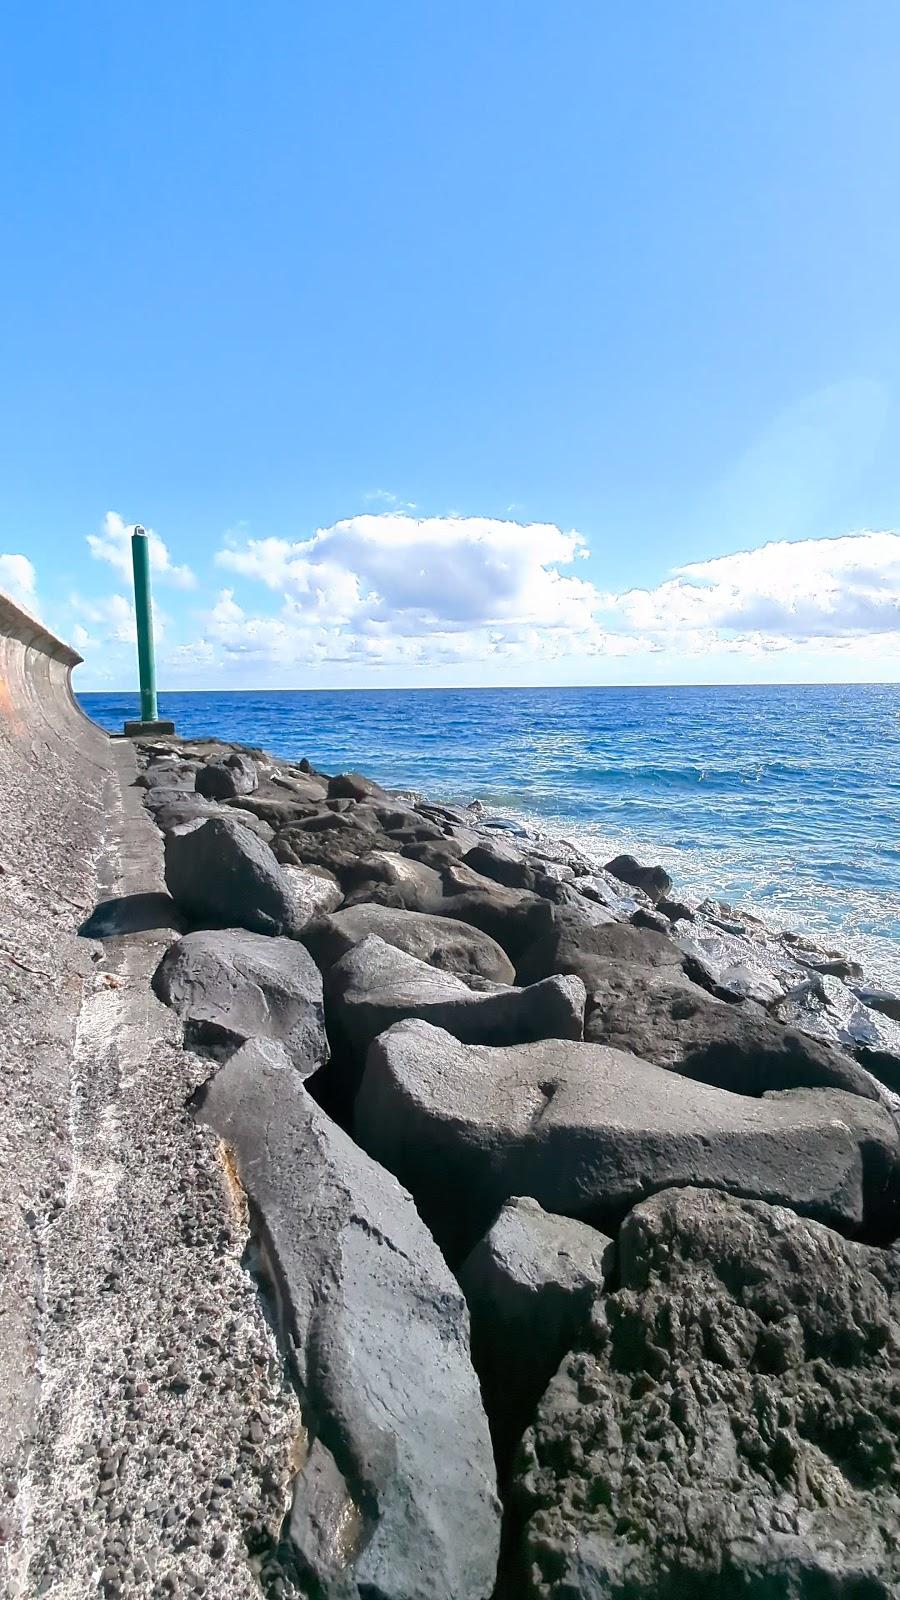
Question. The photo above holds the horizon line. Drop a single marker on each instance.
(517, 688)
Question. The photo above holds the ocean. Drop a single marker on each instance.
(783, 800)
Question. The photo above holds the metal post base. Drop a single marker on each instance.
(148, 730)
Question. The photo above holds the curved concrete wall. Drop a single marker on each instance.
(38, 709)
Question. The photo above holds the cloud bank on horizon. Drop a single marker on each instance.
(388, 592)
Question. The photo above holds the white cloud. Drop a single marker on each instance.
(114, 545)
(834, 589)
(19, 579)
(422, 577)
(111, 619)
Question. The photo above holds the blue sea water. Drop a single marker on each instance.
(783, 799)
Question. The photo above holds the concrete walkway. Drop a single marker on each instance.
(147, 1429)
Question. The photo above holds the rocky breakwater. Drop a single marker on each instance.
(556, 1184)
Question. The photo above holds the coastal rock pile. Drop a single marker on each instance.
(554, 1180)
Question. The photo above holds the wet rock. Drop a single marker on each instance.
(353, 786)
(375, 985)
(396, 1495)
(589, 1132)
(229, 986)
(737, 966)
(653, 881)
(530, 1284)
(567, 944)
(223, 780)
(663, 1017)
(731, 1426)
(825, 1007)
(882, 1000)
(442, 942)
(220, 872)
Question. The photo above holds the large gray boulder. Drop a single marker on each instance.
(652, 881)
(590, 1131)
(530, 1284)
(233, 775)
(513, 917)
(385, 878)
(220, 872)
(442, 942)
(664, 1017)
(375, 985)
(732, 1426)
(229, 986)
(175, 813)
(395, 1496)
(353, 786)
(594, 952)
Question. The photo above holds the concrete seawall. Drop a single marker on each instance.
(125, 1309)
(37, 705)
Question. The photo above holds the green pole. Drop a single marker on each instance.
(143, 610)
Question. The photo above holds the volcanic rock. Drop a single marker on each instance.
(375, 985)
(530, 1283)
(395, 1496)
(443, 943)
(220, 872)
(229, 986)
(223, 780)
(353, 786)
(732, 1425)
(824, 1006)
(590, 1131)
(654, 881)
(664, 1017)
(566, 944)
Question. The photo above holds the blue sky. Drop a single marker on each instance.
(436, 340)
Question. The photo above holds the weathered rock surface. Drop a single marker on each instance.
(333, 839)
(314, 892)
(824, 1006)
(395, 1497)
(375, 985)
(589, 1132)
(664, 1017)
(595, 953)
(442, 942)
(168, 775)
(530, 1284)
(496, 859)
(174, 813)
(234, 775)
(218, 871)
(882, 1000)
(732, 1426)
(229, 986)
(353, 786)
(386, 878)
(736, 964)
(654, 881)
